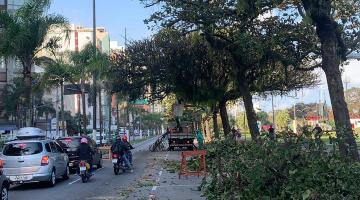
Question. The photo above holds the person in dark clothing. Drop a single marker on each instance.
(318, 132)
(128, 152)
(85, 152)
(119, 147)
(271, 132)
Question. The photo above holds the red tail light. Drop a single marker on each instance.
(44, 160)
(1, 164)
(115, 156)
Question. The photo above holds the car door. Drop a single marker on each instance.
(63, 156)
(59, 164)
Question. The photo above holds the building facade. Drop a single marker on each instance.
(73, 40)
(9, 67)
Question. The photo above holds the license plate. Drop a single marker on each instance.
(20, 178)
(114, 161)
(82, 168)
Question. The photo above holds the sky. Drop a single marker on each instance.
(116, 15)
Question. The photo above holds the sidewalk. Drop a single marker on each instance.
(160, 180)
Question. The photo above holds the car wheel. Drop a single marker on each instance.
(52, 180)
(67, 172)
(4, 192)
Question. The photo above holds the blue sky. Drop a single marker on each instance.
(114, 15)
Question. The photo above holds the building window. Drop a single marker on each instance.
(2, 2)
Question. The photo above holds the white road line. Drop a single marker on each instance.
(160, 173)
(80, 178)
(74, 181)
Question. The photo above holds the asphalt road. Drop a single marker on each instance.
(103, 185)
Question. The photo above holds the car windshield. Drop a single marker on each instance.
(69, 142)
(23, 149)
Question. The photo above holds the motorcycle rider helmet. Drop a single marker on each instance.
(125, 138)
(83, 141)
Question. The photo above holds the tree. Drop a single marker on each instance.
(12, 97)
(23, 35)
(87, 64)
(187, 66)
(263, 118)
(352, 97)
(282, 119)
(56, 74)
(256, 51)
(334, 26)
(47, 109)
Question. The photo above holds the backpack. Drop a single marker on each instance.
(114, 148)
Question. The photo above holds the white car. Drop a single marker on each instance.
(33, 158)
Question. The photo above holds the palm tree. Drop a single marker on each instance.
(23, 37)
(56, 74)
(47, 108)
(87, 64)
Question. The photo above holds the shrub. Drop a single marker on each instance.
(296, 168)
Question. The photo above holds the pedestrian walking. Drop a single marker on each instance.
(200, 139)
(271, 131)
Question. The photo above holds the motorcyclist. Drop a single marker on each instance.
(85, 152)
(128, 152)
(119, 147)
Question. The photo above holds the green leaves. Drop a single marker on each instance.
(296, 169)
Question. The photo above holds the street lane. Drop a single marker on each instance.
(103, 185)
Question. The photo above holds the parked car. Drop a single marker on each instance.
(71, 145)
(5, 185)
(33, 158)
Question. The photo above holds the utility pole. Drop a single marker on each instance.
(94, 74)
(125, 43)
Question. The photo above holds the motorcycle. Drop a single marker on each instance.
(84, 171)
(118, 164)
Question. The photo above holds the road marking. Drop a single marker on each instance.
(160, 173)
(80, 178)
(75, 181)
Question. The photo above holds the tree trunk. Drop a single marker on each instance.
(83, 101)
(27, 64)
(117, 114)
(331, 62)
(94, 92)
(215, 124)
(62, 110)
(47, 123)
(250, 112)
(224, 118)
(109, 125)
(100, 116)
